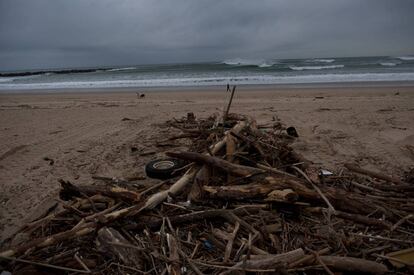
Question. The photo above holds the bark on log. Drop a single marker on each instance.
(350, 264)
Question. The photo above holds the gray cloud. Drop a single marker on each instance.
(79, 33)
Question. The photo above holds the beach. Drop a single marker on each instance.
(76, 134)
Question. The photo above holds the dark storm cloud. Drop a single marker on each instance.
(41, 34)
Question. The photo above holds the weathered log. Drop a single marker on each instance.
(234, 169)
(239, 192)
(70, 190)
(112, 242)
(373, 174)
(350, 264)
(341, 199)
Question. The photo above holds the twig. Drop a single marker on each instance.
(45, 265)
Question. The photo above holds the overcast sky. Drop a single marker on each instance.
(82, 33)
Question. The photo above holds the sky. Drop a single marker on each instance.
(45, 34)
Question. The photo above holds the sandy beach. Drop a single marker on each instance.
(74, 135)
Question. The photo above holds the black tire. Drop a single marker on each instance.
(163, 168)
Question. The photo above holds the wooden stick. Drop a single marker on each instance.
(174, 256)
(104, 242)
(308, 258)
(352, 217)
(226, 113)
(229, 246)
(272, 261)
(45, 265)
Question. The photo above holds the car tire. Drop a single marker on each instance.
(163, 168)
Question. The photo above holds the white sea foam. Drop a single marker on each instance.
(296, 68)
(265, 65)
(6, 79)
(13, 78)
(248, 62)
(122, 69)
(406, 58)
(321, 60)
(208, 81)
(388, 64)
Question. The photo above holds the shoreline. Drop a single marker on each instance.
(240, 87)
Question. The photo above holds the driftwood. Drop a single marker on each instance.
(342, 200)
(350, 264)
(272, 261)
(245, 199)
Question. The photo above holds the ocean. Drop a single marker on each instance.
(232, 71)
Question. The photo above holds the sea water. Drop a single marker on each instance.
(232, 71)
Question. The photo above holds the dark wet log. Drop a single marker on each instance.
(354, 265)
(231, 168)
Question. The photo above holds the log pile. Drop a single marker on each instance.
(246, 203)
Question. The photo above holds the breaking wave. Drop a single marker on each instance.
(296, 68)
(248, 62)
(388, 64)
(209, 81)
(406, 58)
(322, 60)
(121, 69)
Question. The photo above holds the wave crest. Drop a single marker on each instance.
(406, 58)
(122, 69)
(387, 64)
(321, 60)
(296, 68)
(248, 62)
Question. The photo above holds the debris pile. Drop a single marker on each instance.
(245, 201)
